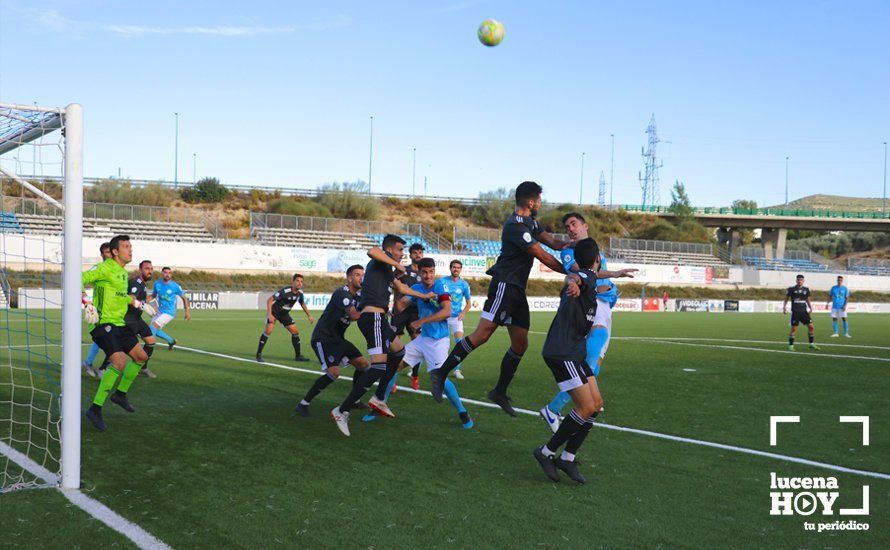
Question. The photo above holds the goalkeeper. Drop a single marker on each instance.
(109, 279)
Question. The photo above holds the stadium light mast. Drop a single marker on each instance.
(601, 199)
(194, 168)
(612, 173)
(414, 172)
(786, 181)
(581, 192)
(371, 154)
(176, 154)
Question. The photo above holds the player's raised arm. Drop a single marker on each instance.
(626, 273)
(536, 250)
(376, 253)
(405, 290)
(551, 241)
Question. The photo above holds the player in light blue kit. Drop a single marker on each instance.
(432, 345)
(600, 332)
(459, 290)
(165, 292)
(838, 298)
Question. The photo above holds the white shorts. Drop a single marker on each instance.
(433, 351)
(838, 313)
(455, 325)
(603, 318)
(161, 319)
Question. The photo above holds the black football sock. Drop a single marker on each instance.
(456, 357)
(791, 340)
(570, 425)
(812, 336)
(509, 364)
(393, 360)
(320, 384)
(369, 376)
(295, 342)
(415, 370)
(263, 339)
(149, 349)
(577, 440)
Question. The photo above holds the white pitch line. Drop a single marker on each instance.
(139, 536)
(776, 342)
(743, 450)
(762, 350)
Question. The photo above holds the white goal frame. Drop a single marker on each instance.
(70, 119)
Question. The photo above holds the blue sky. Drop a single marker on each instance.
(280, 93)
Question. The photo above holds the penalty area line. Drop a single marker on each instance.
(136, 534)
(762, 350)
(657, 435)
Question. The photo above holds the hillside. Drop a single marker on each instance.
(835, 202)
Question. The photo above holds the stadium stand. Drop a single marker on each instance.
(783, 264)
(638, 251)
(9, 223)
(313, 232)
(42, 224)
(868, 266)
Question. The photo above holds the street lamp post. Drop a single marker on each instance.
(611, 171)
(884, 196)
(581, 192)
(176, 154)
(194, 168)
(371, 155)
(414, 171)
(786, 181)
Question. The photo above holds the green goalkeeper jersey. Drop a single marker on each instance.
(110, 296)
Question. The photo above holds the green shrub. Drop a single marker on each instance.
(206, 190)
(349, 200)
(493, 207)
(123, 192)
(294, 207)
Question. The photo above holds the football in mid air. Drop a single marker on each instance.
(491, 32)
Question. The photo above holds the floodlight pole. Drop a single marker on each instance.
(884, 197)
(194, 168)
(611, 170)
(176, 154)
(581, 192)
(371, 154)
(414, 172)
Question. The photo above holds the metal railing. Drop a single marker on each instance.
(620, 243)
(791, 212)
(119, 212)
(262, 220)
(755, 251)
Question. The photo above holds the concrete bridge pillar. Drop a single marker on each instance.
(773, 243)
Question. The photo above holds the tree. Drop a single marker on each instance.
(745, 206)
(493, 207)
(680, 206)
(206, 190)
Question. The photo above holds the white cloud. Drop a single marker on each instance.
(218, 30)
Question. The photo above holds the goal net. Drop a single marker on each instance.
(40, 319)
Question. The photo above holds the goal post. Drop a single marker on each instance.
(41, 259)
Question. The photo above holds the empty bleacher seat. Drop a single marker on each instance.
(136, 229)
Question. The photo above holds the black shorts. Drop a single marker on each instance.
(282, 316)
(332, 354)
(401, 320)
(800, 317)
(377, 331)
(138, 326)
(112, 339)
(506, 305)
(569, 374)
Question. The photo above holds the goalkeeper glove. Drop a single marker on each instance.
(146, 307)
(90, 314)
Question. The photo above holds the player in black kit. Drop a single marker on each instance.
(329, 338)
(507, 304)
(386, 350)
(402, 320)
(800, 311)
(133, 318)
(565, 352)
(278, 308)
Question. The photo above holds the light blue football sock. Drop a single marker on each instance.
(834, 325)
(559, 401)
(846, 330)
(91, 356)
(389, 388)
(453, 397)
(161, 334)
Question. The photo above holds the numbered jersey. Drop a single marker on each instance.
(334, 321)
(568, 332)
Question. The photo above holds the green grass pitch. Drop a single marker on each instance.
(215, 456)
